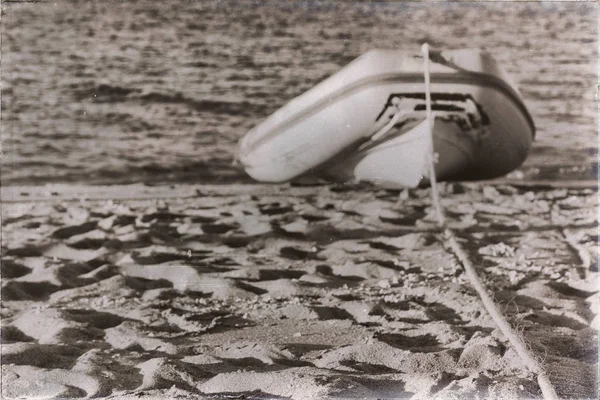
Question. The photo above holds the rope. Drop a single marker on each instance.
(389, 125)
(493, 310)
(491, 307)
(584, 255)
(430, 154)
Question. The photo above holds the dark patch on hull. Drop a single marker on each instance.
(437, 97)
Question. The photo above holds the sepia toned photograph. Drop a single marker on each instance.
(299, 199)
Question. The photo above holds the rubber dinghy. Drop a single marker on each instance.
(366, 122)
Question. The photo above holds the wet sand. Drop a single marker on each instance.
(257, 291)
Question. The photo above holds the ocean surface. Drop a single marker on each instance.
(122, 92)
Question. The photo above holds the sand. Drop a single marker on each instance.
(257, 291)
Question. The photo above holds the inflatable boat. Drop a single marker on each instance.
(366, 122)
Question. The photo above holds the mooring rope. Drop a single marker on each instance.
(492, 308)
(584, 255)
(390, 125)
(430, 153)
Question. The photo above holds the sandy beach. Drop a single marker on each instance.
(257, 291)
(139, 261)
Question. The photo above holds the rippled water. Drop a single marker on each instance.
(134, 91)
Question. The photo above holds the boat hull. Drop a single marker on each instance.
(327, 125)
(401, 160)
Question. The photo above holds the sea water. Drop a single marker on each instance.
(121, 92)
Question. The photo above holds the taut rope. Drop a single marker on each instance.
(513, 337)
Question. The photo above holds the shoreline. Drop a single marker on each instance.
(140, 191)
